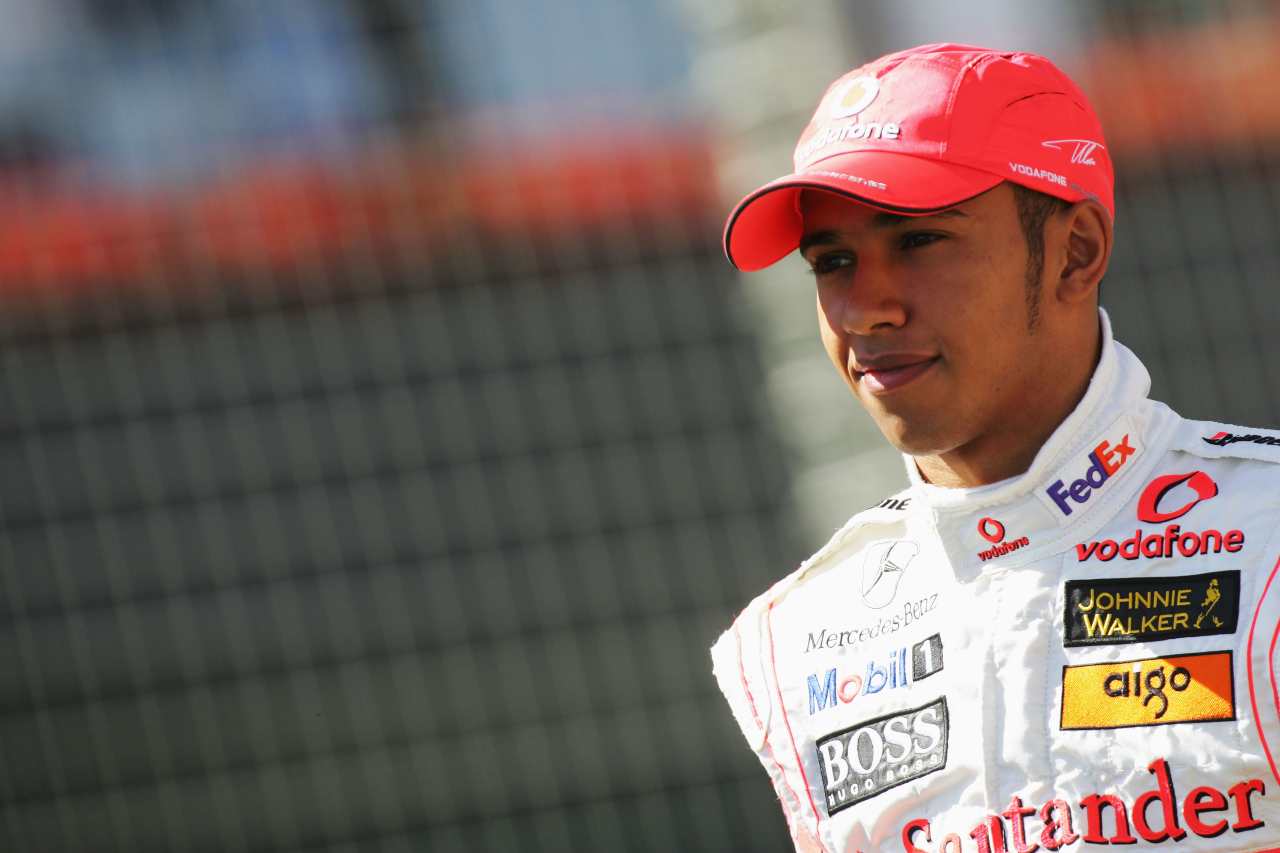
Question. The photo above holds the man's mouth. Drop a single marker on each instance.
(892, 374)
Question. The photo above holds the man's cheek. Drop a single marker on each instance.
(829, 329)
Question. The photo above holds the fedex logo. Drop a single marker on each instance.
(1106, 459)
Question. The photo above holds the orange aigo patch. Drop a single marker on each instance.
(1149, 692)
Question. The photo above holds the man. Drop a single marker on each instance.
(1063, 634)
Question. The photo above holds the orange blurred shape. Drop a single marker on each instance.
(1187, 89)
(293, 213)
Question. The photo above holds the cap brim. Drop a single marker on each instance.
(766, 226)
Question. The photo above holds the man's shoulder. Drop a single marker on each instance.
(1219, 440)
(1243, 461)
(738, 652)
(882, 521)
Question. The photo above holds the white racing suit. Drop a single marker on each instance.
(1079, 657)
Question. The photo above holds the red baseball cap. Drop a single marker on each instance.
(921, 130)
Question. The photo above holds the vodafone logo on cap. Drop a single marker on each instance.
(853, 97)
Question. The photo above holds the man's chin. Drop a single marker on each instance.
(916, 436)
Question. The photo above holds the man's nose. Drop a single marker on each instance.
(871, 299)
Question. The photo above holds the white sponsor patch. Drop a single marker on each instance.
(860, 762)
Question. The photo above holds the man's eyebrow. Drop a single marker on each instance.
(888, 220)
(817, 238)
(884, 219)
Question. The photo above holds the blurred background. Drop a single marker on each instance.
(384, 439)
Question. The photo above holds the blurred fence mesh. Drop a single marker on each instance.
(383, 439)
(375, 470)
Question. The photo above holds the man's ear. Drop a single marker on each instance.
(1084, 232)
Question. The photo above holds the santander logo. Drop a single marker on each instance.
(1167, 497)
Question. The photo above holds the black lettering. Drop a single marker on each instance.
(1225, 438)
(1155, 690)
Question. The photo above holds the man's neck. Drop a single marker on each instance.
(988, 460)
(1008, 450)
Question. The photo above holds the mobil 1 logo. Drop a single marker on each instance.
(869, 758)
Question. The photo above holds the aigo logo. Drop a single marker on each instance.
(1105, 460)
(1196, 687)
(1148, 685)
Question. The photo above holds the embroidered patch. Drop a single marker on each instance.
(1149, 692)
(1111, 611)
(870, 758)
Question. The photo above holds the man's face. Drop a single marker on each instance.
(926, 318)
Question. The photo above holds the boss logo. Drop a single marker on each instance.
(870, 758)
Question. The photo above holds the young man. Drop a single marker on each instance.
(1063, 634)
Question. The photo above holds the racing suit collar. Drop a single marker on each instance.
(1090, 460)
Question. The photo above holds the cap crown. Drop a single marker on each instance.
(1014, 115)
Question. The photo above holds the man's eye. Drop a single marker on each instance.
(916, 239)
(829, 263)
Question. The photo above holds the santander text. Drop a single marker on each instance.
(1153, 816)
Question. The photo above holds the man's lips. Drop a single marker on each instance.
(890, 373)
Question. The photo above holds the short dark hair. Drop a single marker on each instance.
(1034, 209)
